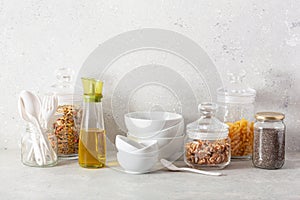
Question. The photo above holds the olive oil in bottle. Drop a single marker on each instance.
(92, 146)
(92, 139)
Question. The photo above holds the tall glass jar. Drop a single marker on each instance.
(236, 103)
(33, 148)
(68, 114)
(207, 144)
(269, 140)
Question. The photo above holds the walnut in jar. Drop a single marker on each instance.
(207, 153)
(207, 143)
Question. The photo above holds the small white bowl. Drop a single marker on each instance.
(174, 131)
(149, 122)
(127, 144)
(132, 146)
(136, 163)
(168, 148)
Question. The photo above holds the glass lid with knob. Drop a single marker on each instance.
(64, 78)
(236, 91)
(64, 88)
(207, 126)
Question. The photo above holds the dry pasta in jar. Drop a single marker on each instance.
(236, 103)
(241, 136)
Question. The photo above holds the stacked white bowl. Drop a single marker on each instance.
(136, 157)
(164, 127)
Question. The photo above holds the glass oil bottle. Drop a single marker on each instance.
(92, 139)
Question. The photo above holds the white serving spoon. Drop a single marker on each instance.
(32, 105)
(36, 148)
(172, 167)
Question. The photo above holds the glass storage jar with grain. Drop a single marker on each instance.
(236, 103)
(207, 144)
(67, 121)
(269, 140)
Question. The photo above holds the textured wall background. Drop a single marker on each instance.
(263, 38)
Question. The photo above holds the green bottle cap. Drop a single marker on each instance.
(92, 89)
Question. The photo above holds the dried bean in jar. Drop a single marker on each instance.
(269, 148)
(269, 140)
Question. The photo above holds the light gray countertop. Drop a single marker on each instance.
(69, 181)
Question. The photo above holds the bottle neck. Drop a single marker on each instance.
(92, 115)
(92, 98)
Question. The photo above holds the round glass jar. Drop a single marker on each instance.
(207, 144)
(236, 109)
(66, 125)
(269, 140)
(31, 144)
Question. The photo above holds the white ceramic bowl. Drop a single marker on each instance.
(147, 147)
(136, 163)
(174, 131)
(127, 144)
(168, 148)
(149, 122)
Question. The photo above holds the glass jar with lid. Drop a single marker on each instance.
(68, 114)
(207, 144)
(236, 103)
(269, 140)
